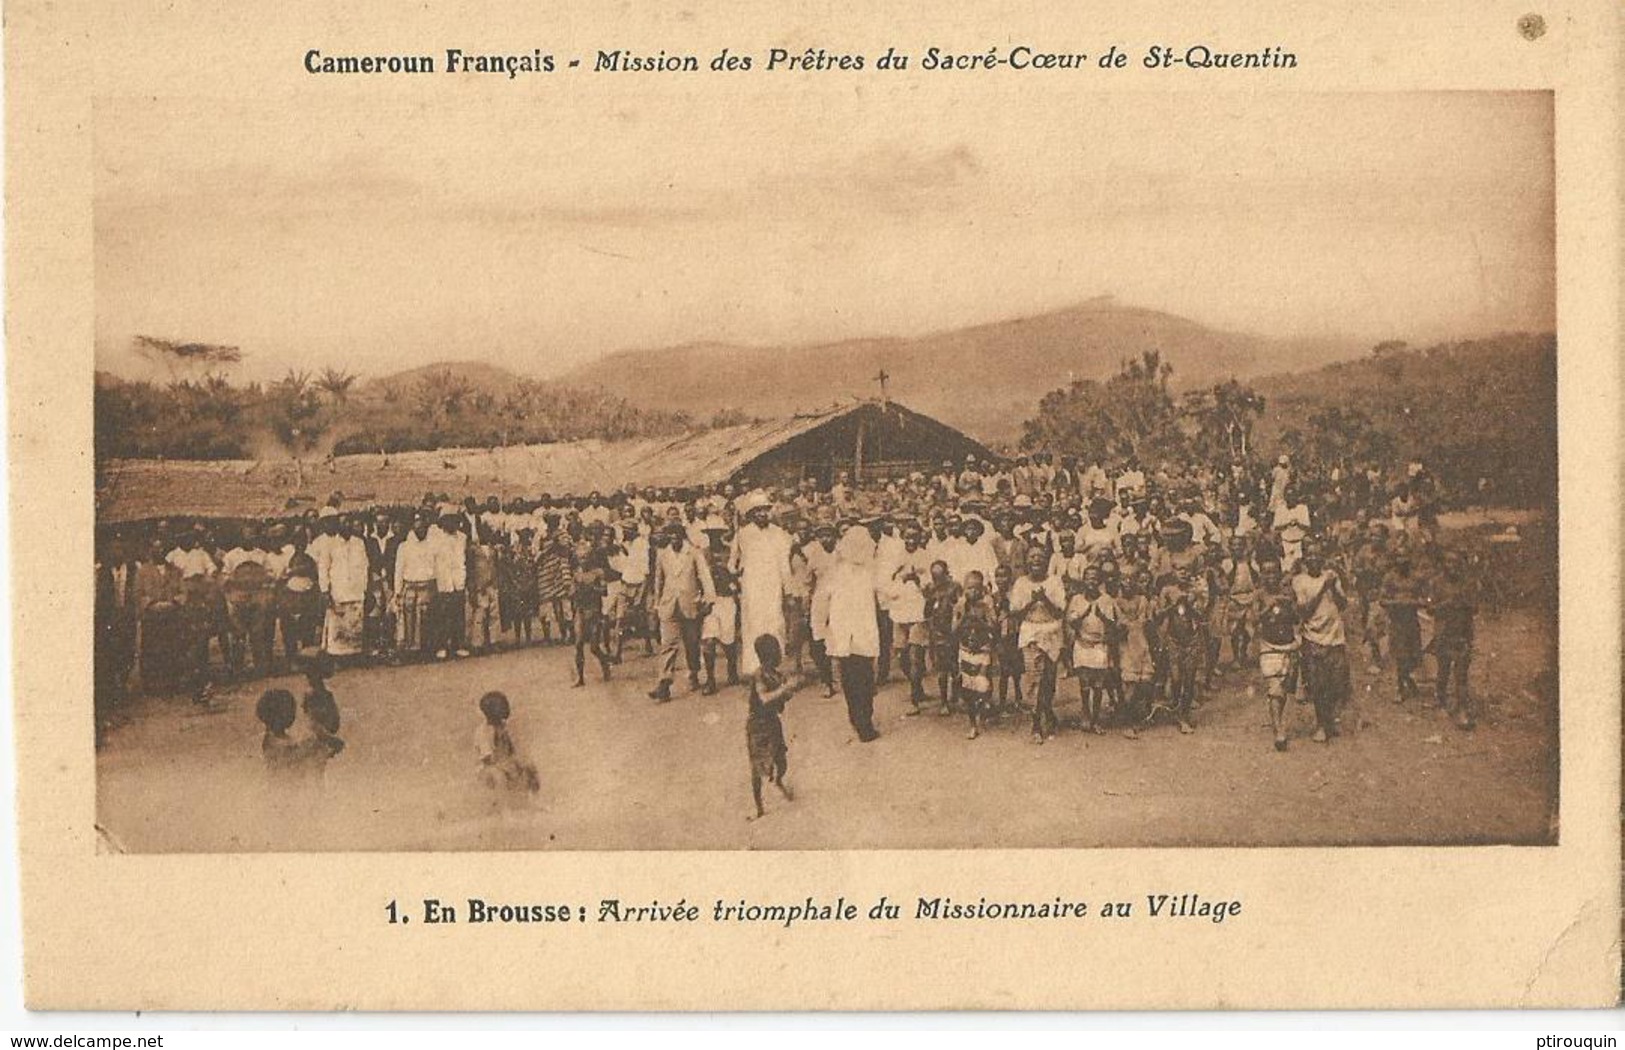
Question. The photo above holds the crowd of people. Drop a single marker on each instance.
(984, 585)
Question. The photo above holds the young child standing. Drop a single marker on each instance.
(1182, 631)
(941, 598)
(720, 631)
(976, 628)
(1277, 618)
(1091, 620)
(1008, 650)
(590, 576)
(1038, 605)
(764, 728)
(1136, 669)
(501, 768)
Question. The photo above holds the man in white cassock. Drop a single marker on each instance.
(761, 564)
(854, 629)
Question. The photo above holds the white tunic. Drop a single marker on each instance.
(854, 629)
(971, 557)
(342, 569)
(821, 566)
(762, 560)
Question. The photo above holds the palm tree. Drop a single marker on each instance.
(297, 418)
(336, 384)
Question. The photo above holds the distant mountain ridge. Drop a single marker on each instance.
(480, 375)
(984, 379)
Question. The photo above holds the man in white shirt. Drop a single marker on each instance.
(1280, 478)
(1093, 482)
(1099, 533)
(941, 540)
(889, 550)
(975, 552)
(820, 556)
(451, 576)
(1321, 600)
(1130, 482)
(343, 571)
(969, 481)
(415, 581)
(1291, 522)
(190, 560)
(1203, 529)
(632, 562)
(903, 577)
(278, 551)
(991, 479)
(1067, 564)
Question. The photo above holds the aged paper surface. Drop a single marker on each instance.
(287, 228)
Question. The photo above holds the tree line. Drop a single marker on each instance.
(199, 412)
(1483, 409)
(1481, 413)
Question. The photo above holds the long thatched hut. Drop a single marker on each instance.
(866, 439)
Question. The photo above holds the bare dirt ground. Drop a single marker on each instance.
(619, 772)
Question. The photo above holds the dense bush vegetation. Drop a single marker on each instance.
(304, 416)
(1483, 409)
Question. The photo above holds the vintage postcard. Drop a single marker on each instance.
(731, 508)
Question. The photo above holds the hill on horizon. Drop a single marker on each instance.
(1473, 409)
(985, 379)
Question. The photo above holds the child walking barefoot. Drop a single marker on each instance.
(764, 729)
(1136, 668)
(975, 628)
(1091, 620)
(1008, 654)
(942, 595)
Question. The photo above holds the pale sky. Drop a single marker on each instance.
(380, 232)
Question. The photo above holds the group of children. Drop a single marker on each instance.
(505, 773)
(1140, 644)
(302, 760)
(287, 758)
(1142, 633)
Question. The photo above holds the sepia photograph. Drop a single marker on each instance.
(1183, 474)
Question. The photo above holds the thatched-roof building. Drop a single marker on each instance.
(864, 438)
(868, 438)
